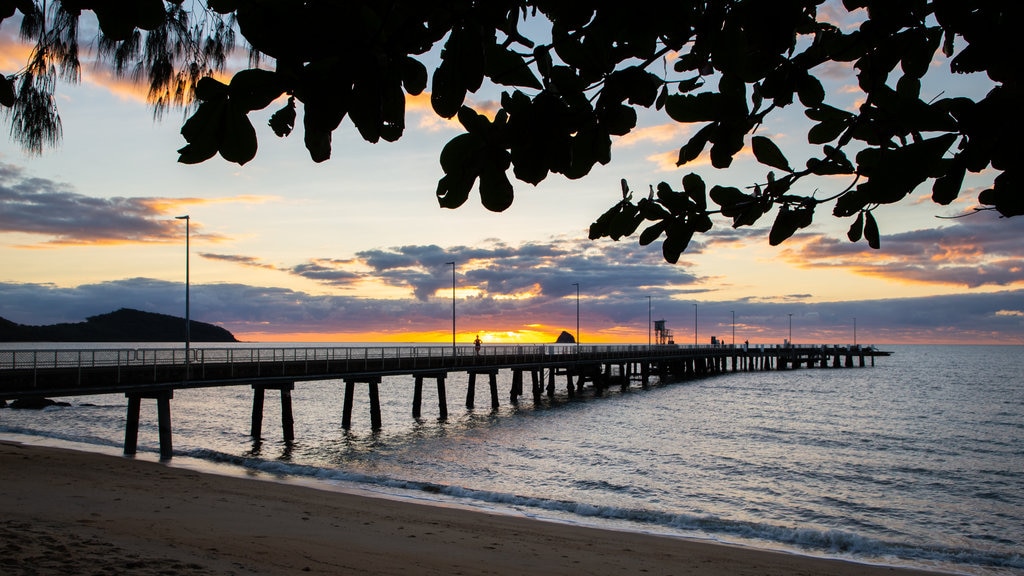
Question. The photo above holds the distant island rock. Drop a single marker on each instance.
(124, 325)
(565, 338)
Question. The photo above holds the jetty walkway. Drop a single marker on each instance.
(155, 373)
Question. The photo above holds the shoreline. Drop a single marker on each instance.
(66, 509)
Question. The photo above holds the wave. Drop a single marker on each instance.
(832, 543)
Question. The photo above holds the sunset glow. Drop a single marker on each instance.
(355, 249)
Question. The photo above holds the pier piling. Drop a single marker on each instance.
(163, 409)
(287, 420)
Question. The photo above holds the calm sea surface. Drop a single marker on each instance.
(917, 461)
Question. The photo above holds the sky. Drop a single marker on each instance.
(356, 249)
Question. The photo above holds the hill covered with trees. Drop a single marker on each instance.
(124, 325)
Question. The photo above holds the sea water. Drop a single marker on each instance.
(917, 461)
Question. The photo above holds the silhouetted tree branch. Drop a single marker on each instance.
(725, 65)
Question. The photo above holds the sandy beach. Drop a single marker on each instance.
(68, 512)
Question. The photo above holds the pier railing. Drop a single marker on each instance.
(378, 355)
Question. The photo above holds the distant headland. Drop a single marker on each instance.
(124, 325)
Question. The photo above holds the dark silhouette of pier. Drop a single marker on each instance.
(147, 373)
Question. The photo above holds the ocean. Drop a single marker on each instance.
(917, 461)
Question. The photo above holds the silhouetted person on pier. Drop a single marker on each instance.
(476, 344)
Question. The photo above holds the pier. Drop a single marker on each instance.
(155, 373)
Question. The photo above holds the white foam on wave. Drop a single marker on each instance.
(805, 541)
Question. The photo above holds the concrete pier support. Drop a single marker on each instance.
(492, 374)
(517, 386)
(374, 389)
(287, 420)
(442, 395)
(493, 380)
(163, 410)
(442, 398)
(537, 383)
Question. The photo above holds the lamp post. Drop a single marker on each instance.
(854, 330)
(733, 328)
(452, 264)
(648, 321)
(790, 329)
(188, 315)
(695, 324)
(577, 285)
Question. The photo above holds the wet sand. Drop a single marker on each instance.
(68, 512)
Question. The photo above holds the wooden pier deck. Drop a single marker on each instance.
(147, 373)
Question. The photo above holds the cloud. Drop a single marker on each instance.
(981, 250)
(494, 269)
(666, 161)
(43, 207)
(269, 311)
(658, 134)
(420, 106)
(250, 261)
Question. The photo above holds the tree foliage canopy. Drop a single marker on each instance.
(724, 65)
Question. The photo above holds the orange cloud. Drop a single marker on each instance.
(666, 161)
(178, 205)
(430, 121)
(13, 54)
(659, 134)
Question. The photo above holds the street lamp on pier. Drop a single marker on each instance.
(452, 264)
(188, 315)
(577, 285)
(695, 324)
(733, 327)
(790, 329)
(854, 330)
(648, 321)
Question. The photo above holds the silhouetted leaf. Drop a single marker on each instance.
(496, 192)
(856, 229)
(209, 89)
(150, 14)
(728, 142)
(871, 231)
(769, 154)
(283, 121)
(453, 190)
(810, 91)
(651, 233)
(695, 188)
(619, 119)
(116, 23)
(677, 238)
(254, 89)
(203, 133)
(7, 95)
(703, 107)
(461, 164)
(318, 142)
(696, 144)
(947, 188)
(1004, 195)
(414, 75)
(727, 196)
(239, 142)
(505, 67)
(448, 92)
(825, 131)
(920, 50)
(788, 221)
